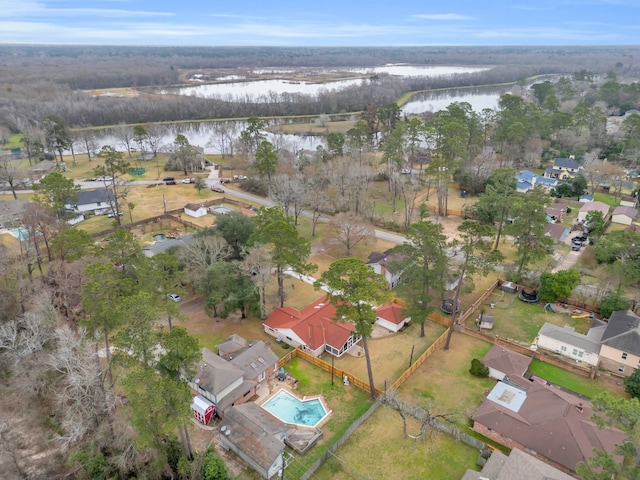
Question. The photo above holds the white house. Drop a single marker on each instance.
(387, 264)
(98, 201)
(624, 215)
(392, 317)
(526, 180)
(195, 210)
(565, 341)
(313, 328)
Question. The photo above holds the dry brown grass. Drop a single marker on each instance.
(444, 380)
(377, 450)
(390, 355)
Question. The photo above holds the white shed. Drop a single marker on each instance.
(624, 215)
(195, 210)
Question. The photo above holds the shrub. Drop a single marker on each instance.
(612, 302)
(478, 369)
(632, 384)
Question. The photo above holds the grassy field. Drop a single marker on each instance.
(378, 451)
(606, 198)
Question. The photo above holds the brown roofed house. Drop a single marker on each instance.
(553, 425)
(517, 465)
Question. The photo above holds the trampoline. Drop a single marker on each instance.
(529, 297)
(447, 306)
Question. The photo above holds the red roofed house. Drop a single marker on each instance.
(392, 317)
(312, 328)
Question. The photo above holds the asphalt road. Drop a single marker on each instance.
(214, 181)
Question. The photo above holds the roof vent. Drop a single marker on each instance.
(253, 365)
(261, 360)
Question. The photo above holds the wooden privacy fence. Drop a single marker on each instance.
(327, 367)
(361, 384)
(441, 339)
(479, 301)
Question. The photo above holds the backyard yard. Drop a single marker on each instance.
(519, 321)
(444, 380)
(378, 451)
(390, 355)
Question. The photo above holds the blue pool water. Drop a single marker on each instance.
(291, 409)
(20, 233)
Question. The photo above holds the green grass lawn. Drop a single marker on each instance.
(444, 381)
(14, 141)
(519, 321)
(576, 383)
(606, 198)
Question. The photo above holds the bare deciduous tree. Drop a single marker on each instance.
(201, 252)
(79, 394)
(349, 229)
(288, 191)
(12, 173)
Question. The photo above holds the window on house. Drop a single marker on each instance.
(575, 352)
(580, 354)
(621, 368)
(563, 348)
(624, 356)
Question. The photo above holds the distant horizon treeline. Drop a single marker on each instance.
(37, 81)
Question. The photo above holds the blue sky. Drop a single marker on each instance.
(321, 23)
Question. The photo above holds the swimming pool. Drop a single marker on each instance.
(290, 409)
(20, 233)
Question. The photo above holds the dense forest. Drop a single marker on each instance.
(40, 81)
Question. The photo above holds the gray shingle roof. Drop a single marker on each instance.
(623, 332)
(215, 373)
(626, 210)
(254, 360)
(518, 465)
(566, 163)
(255, 432)
(506, 361)
(555, 424)
(99, 195)
(569, 336)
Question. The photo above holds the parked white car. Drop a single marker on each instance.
(175, 297)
